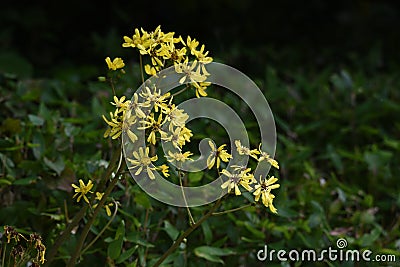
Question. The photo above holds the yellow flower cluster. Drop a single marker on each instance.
(155, 114)
(241, 176)
(166, 123)
(82, 190)
(116, 120)
(164, 49)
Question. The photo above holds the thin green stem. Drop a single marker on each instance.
(187, 233)
(4, 254)
(78, 217)
(65, 234)
(232, 210)
(191, 220)
(102, 230)
(112, 86)
(141, 67)
(180, 91)
(90, 222)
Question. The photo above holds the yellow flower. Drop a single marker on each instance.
(155, 98)
(117, 63)
(150, 70)
(82, 190)
(185, 133)
(218, 155)
(98, 197)
(267, 157)
(164, 169)
(121, 104)
(168, 51)
(128, 121)
(137, 106)
(138, 40)
(263, 190)
(239, 176)
(176, 116)
(242, 150)
(192, 44)
(190, 74)
(202, 57)
(178, 156)
(116, 125)
(201, 88)
(154, 126)
(143, 161)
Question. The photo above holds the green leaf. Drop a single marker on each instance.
(25, 181)
(171, 230)
(134, 237)
(143, 199)
(39, 144)
(195, 177)
(212, 253)
(36, 120)
(115, 247)
(57, 166)
(249, 226)
(5, 181)
(367, 239)
(207, 232)
(126, 254)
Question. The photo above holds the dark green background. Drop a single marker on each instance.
(50, 34)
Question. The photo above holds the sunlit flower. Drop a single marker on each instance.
(137, 106)
(82, 190)
(201, 88)
(176, 116)
(263, 190)
(117, 63)
(98, 197)
(185, 133)
(239, 176)
(164, 169)
(202, 56)
(217, 155)
(192, 44)
(115, 123)
(155, 97)
(150, 70)
(169, 51)
(154, 126)
(128, 121)
(139, 40)
(267, 157)
(143, 161)
(178, 156)
(190, 74)
(121, 104)
(242, 150)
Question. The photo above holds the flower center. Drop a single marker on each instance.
(145, 161)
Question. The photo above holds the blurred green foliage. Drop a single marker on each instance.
(335, 104)
(338, 147)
